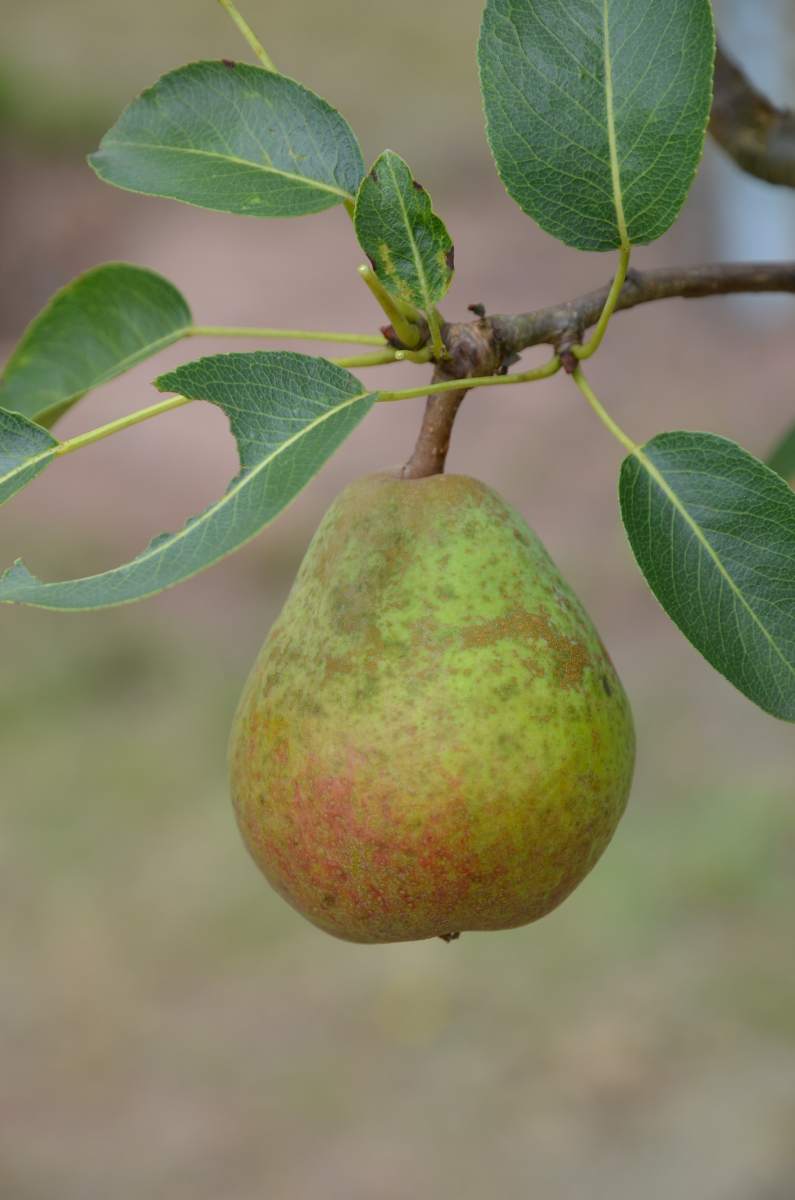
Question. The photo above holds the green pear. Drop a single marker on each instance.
(433, 738)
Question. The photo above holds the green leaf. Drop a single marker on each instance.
(235, 139)
(713, 530)
(596, 111)
(408, 245)
(25, 450)
(782, 459)
(288, 414)
(97, 327)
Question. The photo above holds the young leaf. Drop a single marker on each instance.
(288, 414)
(95, 328)
(25, 450)
(782, 460)
(235, 139)
(596, 111)
(713, 530)
(407, 244)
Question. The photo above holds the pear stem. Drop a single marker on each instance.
(472, 351)
(433, 442)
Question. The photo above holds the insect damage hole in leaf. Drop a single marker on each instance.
(288, 414)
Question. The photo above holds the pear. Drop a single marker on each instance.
(433, 737)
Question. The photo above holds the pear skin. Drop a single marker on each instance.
(433, 738)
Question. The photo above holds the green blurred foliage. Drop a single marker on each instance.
(96, 56)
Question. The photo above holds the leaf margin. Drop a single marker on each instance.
(29, 468)
(542, 218)
(18, 576)
(48, 416)
(639, 456)
(427, 296)
(339, 196)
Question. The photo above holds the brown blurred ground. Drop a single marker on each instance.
(169, 1028)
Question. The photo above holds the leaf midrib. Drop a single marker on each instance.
(612, 139)
(123, 364)
(415, 250)
(306, 180)
(704, 542)
(26, 465)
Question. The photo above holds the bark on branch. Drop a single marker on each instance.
(761, 140)
(433, 442)
(758, 136)
(473, 351)
(490, 344)
(562, 324)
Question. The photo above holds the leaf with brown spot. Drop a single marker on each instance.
(407, 243)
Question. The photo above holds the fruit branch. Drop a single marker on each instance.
(563, 324)
(757, 135)
(430, 451)
(481, 351)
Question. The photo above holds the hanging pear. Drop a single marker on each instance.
(433, 738)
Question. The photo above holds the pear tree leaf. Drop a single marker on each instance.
(596, 111)
(25, 450)
(407, 243)
(782, 459)
(98, 326)
(233, 138)
(713, 531)
(288, 413)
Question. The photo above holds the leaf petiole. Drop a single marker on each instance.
(425, 355)
(368, 360)
(435, 327)
(248, 33)
(389, 355)
(104, 431)
(602, 413)
(155, 410)
(597, 337)
(287, 335)
(456, 385)
(405, 328)
(69, 446)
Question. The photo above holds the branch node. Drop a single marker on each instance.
(568, 359)
(473, 351)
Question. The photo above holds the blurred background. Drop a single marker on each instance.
(168, 1027)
